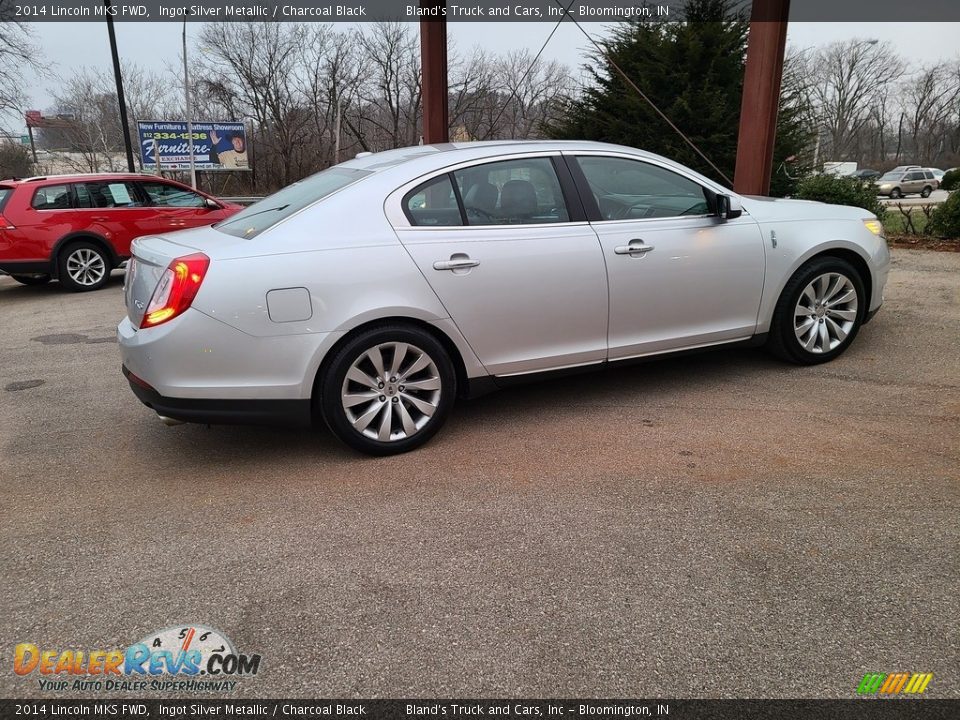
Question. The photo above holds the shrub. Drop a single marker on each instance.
(841, 191)
(945, 220)
(951, 181)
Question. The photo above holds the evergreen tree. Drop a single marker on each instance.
(693, 71)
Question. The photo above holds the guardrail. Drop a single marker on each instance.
(243, 199)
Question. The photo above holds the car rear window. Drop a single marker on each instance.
(268, 212)
(51, 197)
(5, 192)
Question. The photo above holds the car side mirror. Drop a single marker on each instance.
(729, 207)
(211, 204)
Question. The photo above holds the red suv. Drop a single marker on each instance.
(77, 228)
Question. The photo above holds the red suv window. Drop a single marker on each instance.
(106, 195)
(51, 197)
(164, 195)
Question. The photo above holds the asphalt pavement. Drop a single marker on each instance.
(721, 525)
(936, 197)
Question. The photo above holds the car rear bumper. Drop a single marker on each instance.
(221, 412)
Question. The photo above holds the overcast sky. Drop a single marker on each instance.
(66, 46)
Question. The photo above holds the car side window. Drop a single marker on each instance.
(433, 204)
(106, 195)
(51, 197)
(630, 189)
(512, 192)
(166, 195)
(915, 176)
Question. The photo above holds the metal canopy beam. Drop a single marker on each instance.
(766, 45)
(433, 63)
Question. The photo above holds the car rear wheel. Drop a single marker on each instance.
(388, 390)
(84, 266)
(819, 312)
(31, 279)
(926, 192)
(896, 194)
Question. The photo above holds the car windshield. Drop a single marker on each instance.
(892, 176)
(268, 212)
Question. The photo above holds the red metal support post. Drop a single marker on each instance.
(433, 63)
(766, 45)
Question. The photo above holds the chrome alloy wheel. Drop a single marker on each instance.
(826, 313)
(86, 267)
(391, 391)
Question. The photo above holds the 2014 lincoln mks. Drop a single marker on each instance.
(374, 293)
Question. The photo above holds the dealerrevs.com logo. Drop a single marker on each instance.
(186, 657)
(894, 683)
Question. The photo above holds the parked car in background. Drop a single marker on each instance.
(842, 169)
(866, 174)
(374, 293)
(938, 174)
(77, 228)
(916, 181)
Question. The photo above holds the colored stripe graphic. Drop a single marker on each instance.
(918, 683)
(894, 683)
(871, 683)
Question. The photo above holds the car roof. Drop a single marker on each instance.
(424, 159)
(76, 177)
(478, 149)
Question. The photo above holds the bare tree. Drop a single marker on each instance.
(332, 78)
(17, 53)
(849, 76)
(386, 110)
(259, 65)
(89, 138)
(532, 91)
(931, 99)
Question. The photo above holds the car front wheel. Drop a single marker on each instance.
(819, 312)
(896, 194)
(388, 390)
(84, 266)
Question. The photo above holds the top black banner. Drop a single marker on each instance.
(582, 11)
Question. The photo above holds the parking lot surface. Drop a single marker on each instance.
(721, 525)
(936, 197)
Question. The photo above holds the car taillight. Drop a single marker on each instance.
(176, 290)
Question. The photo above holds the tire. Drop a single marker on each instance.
(83, 266)
(380, 409)
(31, 279)
(925, 193)
(895, 194)
(841, 321)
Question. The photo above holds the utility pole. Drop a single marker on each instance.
(186, 95)
(124, 124)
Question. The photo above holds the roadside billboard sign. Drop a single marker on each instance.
(216, 145)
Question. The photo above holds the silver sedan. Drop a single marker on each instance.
(375, 293)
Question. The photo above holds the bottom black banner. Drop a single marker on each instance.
(875, 709)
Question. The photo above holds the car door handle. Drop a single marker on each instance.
(636, 247)
(456, 262)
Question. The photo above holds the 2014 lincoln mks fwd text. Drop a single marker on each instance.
(374, 293)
